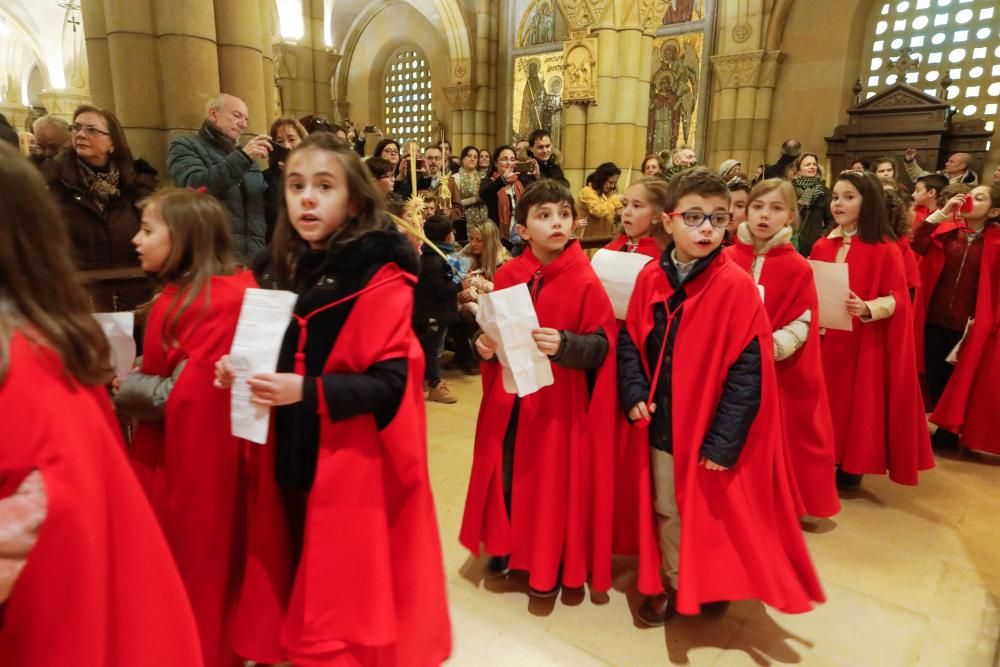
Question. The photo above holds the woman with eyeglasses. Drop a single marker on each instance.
(286, 133)
(98, 185)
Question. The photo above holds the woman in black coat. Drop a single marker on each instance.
(815, 218)
(503, 189)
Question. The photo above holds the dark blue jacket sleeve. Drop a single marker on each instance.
(738, 407)
(633, 385)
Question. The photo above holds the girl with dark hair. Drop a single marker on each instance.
(78, 541)
(502, 192)
(182, 450)
(465, 203)
(98, 186)
(598, 202)
(871, 372)
(369, 586)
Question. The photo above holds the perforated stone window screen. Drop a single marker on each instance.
(957, 37)
(407, 92)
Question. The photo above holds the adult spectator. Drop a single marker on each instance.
(790, 151)
(485, 162)
(598, 202)
(815, 218)
(8, 133)
(541, 152)
(730, 170)
(466, 207)
(996, 175)
(652, 165)
(286, 133)
(681, 159)
(99, 185)
(383, 173)
(52, 135)
(521, 148)
(502, 192)
(212, 159)
(956, 168)
(861, 164)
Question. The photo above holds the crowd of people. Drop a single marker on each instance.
(693, 434)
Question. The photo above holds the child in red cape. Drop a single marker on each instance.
(962, 274)
(926, 193)
(764, 249)
(86, 577)
(349, 423)
(182, 449)
(644, 205)
(900, 215)
(540, 490)
(696, 373)
(871, 374)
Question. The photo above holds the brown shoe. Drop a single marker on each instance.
(441, 394)
(655, 611)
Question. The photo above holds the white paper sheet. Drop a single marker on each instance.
(508, 317)
(834, 289)
(952, 357)
(618, 272)
(263, 320)
(119, 329)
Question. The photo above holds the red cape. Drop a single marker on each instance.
(871, 373)
(647, 245)
(370, 585)
(562, 493)
(631, 444)
(971, 400)
(740, 534)
(99, 587)
(190, 462)
(910, 264)
(789, 290)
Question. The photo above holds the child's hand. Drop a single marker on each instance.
(640, 412)
(486, 347)
(548, 340)
(273, 389)
(710, 464)
(224, 375)
(856, 307)
(953, 204)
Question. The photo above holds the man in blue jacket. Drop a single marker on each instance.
(212, 159)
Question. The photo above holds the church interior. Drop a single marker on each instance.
(911, 574)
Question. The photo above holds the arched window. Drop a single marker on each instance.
(407, 91)
(960, 38)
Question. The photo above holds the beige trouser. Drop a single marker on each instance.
(668, 520)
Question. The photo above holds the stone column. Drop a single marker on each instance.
(463, 128)
(136, 89)
(272, 102)
(293, 70)
(98, 58)
(189, 64)
(574, 141)
(241, 61)
(741, 109)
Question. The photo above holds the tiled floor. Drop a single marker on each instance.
(912, 577)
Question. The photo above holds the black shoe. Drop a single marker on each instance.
(847, 481)
(543, 595)
(656, 609)
(499, 565)
(714, 608)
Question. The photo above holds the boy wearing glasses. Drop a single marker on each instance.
(696, 371)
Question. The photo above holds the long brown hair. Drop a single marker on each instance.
(493, 253)
(39, 295)
(873, 220)
(364, 197)
(657, 193)
(201, 246)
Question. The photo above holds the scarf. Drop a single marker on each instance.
(504, 209)
(810, 189)
(211, 134)
(101, 186)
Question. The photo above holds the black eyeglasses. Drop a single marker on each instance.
(89, 130)
(719, 219)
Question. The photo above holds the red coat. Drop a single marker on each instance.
(910, 264)
(740, 534)
(190, 462)
(100, 588)
(789, 290)
(971, 400)
(370, 585)
(631, 443)
(562, 497)
(871, 371)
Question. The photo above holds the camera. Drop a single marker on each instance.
(369, 129)
(523, 167)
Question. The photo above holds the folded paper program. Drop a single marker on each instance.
(508, 317)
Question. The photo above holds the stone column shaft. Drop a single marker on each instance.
(241, 61)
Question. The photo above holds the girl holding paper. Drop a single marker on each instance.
(349, 423)
(763, 248)
(85, 574)
(182, 450)
(871, 373)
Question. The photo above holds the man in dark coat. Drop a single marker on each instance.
(212, 159)
(541, 150)
(790, 150)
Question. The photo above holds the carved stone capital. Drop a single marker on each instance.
(754, 69)
(461, 97)
(62, 104)
(651, 13)
(285, 60)
(582, 14)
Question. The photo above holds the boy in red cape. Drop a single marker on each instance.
(962, 269)
(871, 374)
(540, 490)
(696, 372)
(763, 248)
(86, 577)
